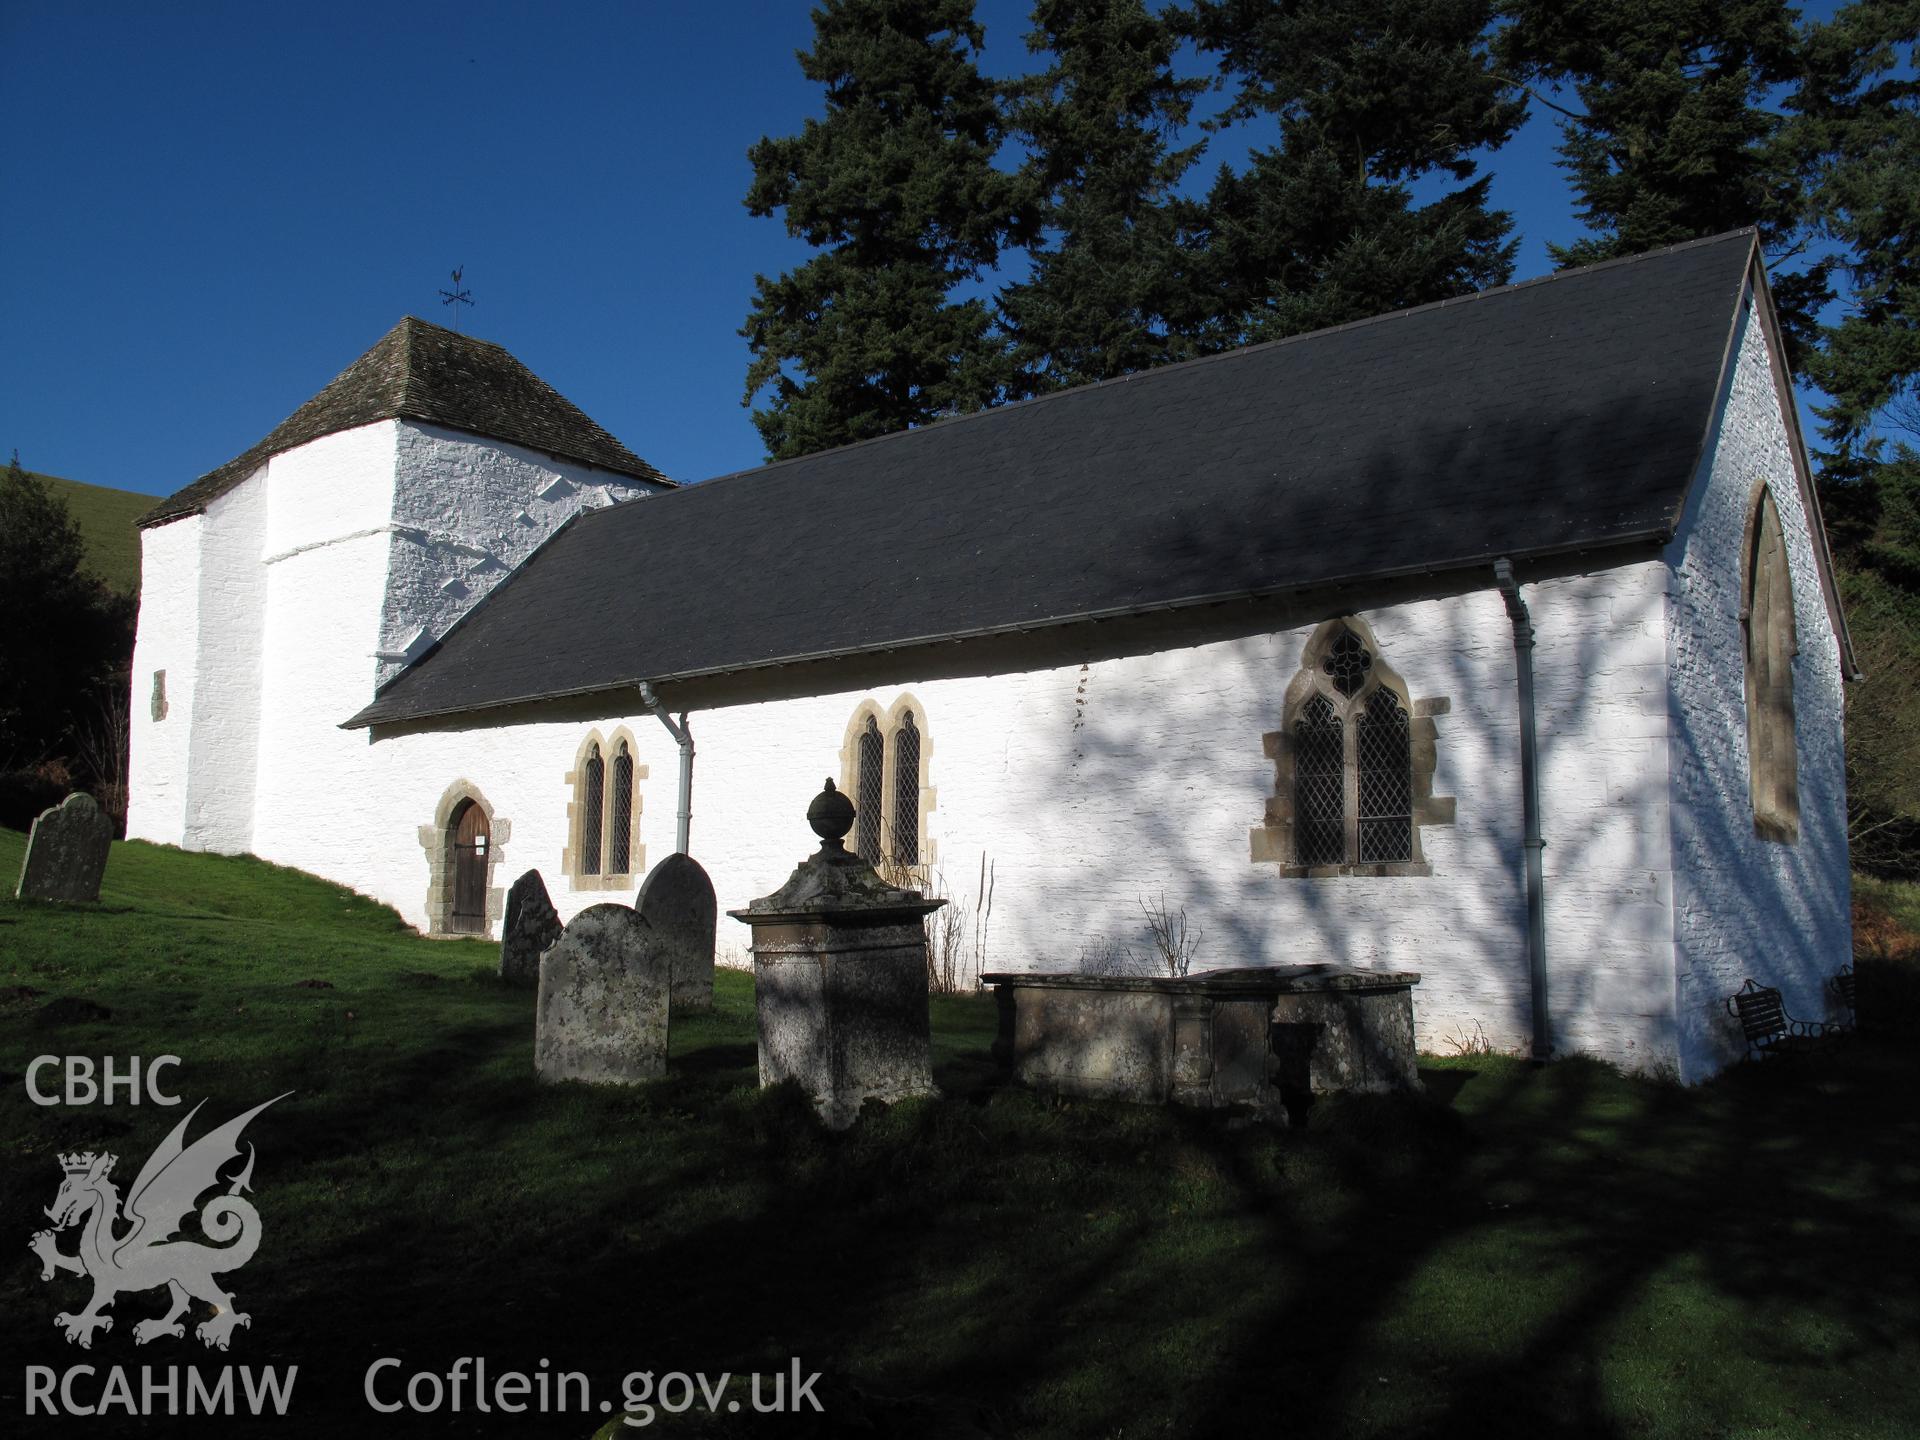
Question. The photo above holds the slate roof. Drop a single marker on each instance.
(1557, 415)
(419, 371)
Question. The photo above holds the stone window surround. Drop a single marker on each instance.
(576, 813)
(437, 841)
(889, 721)
(1773, 768)
(1272, 841)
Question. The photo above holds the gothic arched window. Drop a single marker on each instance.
(603, 849)
(1354, 764)
(1767, 616)
(620, 828)
(593, 781)
(883, 770)
(870, 763)
(1319, 785)
(906, 792)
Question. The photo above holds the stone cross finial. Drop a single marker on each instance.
(831, 816)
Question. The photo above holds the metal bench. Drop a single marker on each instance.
(1769, 1029)
(1843, 990)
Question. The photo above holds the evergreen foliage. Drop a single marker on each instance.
(1675, 131)
(897, 192)
(68, 637)
(1855, 140)
(1369, 98)
(1105, 292)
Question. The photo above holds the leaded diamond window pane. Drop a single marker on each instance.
(622, 843)
(906, 792)
(592, 801)
(1347, 664)
(867, 793)
(1319, 786)
(1384, 741)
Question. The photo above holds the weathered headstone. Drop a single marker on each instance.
(677, 901)
(67, 852)
(604, 1001)
(530, 928)
(840, 977)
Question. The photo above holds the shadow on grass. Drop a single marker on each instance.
(1517, 1251)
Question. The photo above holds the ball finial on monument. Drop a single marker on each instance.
(831, 816)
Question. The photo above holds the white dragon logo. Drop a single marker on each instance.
(145, 1256)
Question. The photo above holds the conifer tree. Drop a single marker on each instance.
(1855, 140)
(1369, 98)
(66, 633)
(897, 190)
(1670, 133)
(1098, 120)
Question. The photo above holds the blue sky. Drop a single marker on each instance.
(214, 208)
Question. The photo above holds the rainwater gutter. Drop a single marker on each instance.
(683, 736)
(1531, 844)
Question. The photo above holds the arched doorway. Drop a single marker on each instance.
(468, 836)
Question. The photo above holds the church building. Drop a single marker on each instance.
(1496, 640)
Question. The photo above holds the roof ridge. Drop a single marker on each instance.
(406, 398)
(1492, 292)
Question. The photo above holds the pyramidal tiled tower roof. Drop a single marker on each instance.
(420, 371)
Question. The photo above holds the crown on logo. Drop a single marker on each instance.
(79, 1162)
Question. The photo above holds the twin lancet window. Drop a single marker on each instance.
(603, 846)
(1354, 765)
(885, 768)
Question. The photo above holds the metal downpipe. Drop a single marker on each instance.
(683, 736)
(1531, 844)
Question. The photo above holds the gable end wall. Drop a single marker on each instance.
(1746, 907)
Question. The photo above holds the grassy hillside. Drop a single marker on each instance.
(106, 519)
(1518, 1252)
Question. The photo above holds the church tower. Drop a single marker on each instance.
(281, 590)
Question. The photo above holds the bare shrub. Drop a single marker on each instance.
(957, 934)
(1107, 957)
(102, 738)
(1174, 942)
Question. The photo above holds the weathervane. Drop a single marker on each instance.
(457, 296)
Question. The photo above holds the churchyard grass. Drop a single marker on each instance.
(1563, 1251)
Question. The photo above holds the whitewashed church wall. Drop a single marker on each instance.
(324, 577)
(330, 489)
(167, 641)
(1744, 906)
(465, 513)
(1601, 700)
(1090, 789)
(226, 715)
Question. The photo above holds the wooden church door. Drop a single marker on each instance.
(470, 839)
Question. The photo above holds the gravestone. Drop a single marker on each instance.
(677, 901)
(604, 995)
(531, 927)
(840, 977)
(67, 852)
